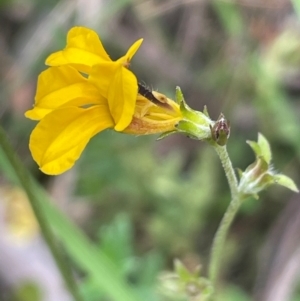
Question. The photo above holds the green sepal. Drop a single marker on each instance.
(205, 111)
(223, 137)
(183, 273)
(265, 148)
(166, 134)
(194, 124)
(240, 172)
(186, 284)
(261, 148)
(179, 98)
(193, 130)
(195, 116)
(286, 181)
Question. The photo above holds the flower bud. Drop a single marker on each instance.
(221, 130)
(185, 285)
(260, 174)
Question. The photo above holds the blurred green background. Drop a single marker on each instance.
(145, 202)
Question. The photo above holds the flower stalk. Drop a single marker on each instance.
(221, 234)
(228, 168)
(257, 177)
(25, 181)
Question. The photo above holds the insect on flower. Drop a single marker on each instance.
(158, 99)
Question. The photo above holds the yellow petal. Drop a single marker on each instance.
(37, 113)
(102, 75)
(150, 127)
(59, 59)
(58, 86)
(86, 39)
(119, 86)
(56, 59)
(133, 49)
(125, 60)
(122, 96)
(59, 139)
(84, 49)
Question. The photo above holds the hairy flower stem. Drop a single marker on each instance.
(221, 234)
(25, 181)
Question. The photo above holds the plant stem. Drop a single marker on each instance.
(25, 180)
(229, 171)
(221, 234)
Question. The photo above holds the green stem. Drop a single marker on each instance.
(221, 234)
(229, 171)
(25, 181)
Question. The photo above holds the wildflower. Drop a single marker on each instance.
(84, 92)
(64, 131)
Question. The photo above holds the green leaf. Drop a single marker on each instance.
(117, 240)
(286, 182)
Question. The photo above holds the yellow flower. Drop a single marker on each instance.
(62, 134)
(72, 107)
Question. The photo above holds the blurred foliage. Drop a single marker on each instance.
(156, 194)
(116, 240)
(147, 202)
(28, 292)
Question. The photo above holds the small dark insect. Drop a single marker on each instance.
(147, 93)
